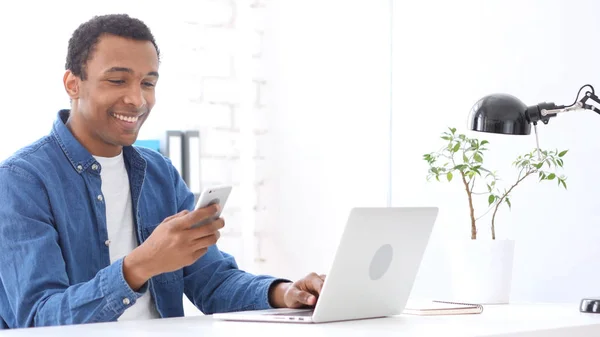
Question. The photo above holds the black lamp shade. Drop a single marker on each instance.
(500, 113)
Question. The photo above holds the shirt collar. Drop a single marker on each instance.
(79, 157)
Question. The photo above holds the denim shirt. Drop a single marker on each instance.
(54, 259)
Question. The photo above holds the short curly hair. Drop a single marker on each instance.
(85, 38)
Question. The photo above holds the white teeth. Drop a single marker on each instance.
(126, 119)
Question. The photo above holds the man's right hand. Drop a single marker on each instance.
(173, 245)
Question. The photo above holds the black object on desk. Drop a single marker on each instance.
(591, 305)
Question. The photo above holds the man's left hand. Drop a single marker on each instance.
(302, 293)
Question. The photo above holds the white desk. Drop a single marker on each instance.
(502, 320)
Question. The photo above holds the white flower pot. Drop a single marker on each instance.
(481, 270)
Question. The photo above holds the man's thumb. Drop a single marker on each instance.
(306, 298)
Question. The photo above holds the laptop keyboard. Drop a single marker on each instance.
(298, 313)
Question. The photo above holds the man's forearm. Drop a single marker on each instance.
(136, 270)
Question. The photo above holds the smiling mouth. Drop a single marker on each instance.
(127, 119)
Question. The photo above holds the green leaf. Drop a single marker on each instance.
(478, 158)
(560, 162)
(456, 147)
(446, 137)
(491, 199)
(483, 142)
(564, 183)
(449, 176)
(551, 176)
(465, 159)
(508, 202)
(563, 153)
(453, 130)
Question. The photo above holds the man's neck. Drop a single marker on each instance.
(86, 138)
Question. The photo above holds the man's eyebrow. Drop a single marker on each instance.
(128, 70)
(119, 69)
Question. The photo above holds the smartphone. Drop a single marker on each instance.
(212, 195)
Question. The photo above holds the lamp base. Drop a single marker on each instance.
(590, 305)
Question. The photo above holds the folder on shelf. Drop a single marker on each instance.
(430, 307)
(172, 148)
(191, 160)
(152, 144)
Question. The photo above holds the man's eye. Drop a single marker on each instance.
(148, 84)
(116, 81)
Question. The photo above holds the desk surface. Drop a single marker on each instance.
(496, 320)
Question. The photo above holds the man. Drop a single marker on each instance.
(93, 229)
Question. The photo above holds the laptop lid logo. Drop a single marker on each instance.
(381, 262)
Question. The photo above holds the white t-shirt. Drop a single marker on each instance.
(120, 226)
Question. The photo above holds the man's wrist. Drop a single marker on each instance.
(136, 270)
(277, 293)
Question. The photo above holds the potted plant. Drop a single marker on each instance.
(482, 269)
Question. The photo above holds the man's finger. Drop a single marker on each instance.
(303, 297)
(206, 241)
(315, 283)
(197, 216)
(208, 229)
(184, 212)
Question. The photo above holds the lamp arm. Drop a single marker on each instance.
(545, 111)
(593, 97)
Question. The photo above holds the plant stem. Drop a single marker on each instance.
(502, 199)
(486, 212)
(479, 193)
(471, 209)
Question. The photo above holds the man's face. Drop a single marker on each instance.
(116, 98)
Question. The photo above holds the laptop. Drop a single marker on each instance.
(373, 271)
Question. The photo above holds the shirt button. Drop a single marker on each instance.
(100, 198)
(107, 243)
(126, 301)
(94, 167)
(79, 168)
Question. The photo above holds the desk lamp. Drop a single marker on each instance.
(506, 114)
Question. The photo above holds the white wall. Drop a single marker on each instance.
(328, 96)
(447, 55)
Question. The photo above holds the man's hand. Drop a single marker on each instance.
(302, 293)
(173, 245)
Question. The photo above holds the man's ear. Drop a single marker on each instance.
(71, 83)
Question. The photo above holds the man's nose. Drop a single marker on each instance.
(135, 97)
